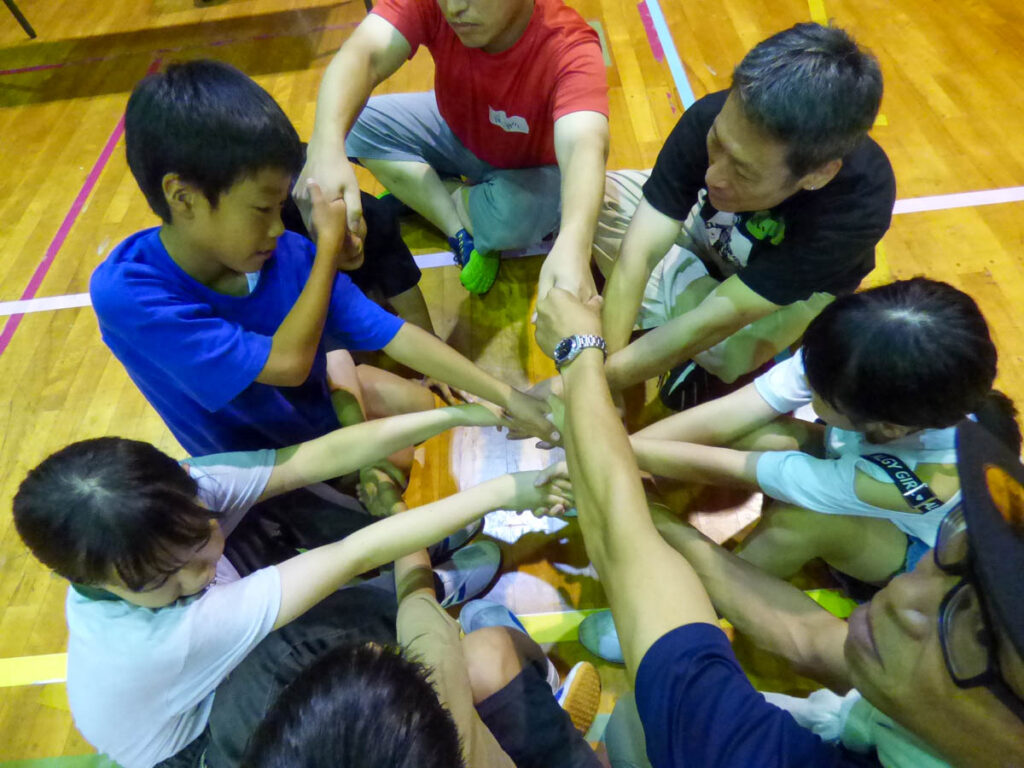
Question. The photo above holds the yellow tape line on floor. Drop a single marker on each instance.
(33, 670)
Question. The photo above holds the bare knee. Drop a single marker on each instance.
(493, 660)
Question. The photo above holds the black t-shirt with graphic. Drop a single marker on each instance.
(821, 240)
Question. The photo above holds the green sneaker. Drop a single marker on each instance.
(479, 270)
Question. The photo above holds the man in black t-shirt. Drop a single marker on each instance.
(765, 203)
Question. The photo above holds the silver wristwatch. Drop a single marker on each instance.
(569, 348)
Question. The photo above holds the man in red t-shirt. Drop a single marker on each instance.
(516, 124)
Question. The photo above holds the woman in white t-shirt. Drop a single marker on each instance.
(889, 371)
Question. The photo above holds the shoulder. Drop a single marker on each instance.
(864, 187)
(135, 269)
(560, 24)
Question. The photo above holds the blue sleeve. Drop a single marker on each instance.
(355, 322)
(698, 708)
(201, 354)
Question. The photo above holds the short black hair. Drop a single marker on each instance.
(365, 706)
(915, 353)
(110, 506)
(209, 123)
(812, 88)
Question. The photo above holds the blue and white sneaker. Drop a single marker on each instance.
(445, 548)
(599, 636)
(478, 614)
(468, 573)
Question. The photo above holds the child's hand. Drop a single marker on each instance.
(544, 491)
(330, 229)
(484, 414)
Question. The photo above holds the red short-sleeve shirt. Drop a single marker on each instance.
(503, 106)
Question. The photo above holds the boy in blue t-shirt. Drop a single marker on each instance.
(223, 319)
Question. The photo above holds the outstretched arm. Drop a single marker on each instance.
(649, 236)
(581, 146)
(731, 306)
(310, 577)
(771, 612)
(350, 448)
(424, 352)
(650, 588)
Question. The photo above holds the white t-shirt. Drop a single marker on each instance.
(141, 681)
(827, 485)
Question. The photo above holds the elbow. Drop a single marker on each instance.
(281, 371)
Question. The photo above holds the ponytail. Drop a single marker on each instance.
(998, 415)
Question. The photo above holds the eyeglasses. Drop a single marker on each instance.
(965, 625)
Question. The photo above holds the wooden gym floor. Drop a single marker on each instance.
(952, 122)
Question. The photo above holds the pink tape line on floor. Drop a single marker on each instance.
(65, 227)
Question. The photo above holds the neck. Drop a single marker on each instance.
(194, 262)
(515, 30)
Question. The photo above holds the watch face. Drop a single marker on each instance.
(563, 349)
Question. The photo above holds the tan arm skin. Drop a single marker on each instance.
(374, 51)
(649, 236)
(581, 147)
(310, 577)
(294, 344)
(350, 448)
(650, 588)
(772, 613)
(731, 306)
(427, 354)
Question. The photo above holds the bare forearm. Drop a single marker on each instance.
(696, 463)
(771, 612)
(346, 85)
(348, 449)
(622, 299)
(582, 193)
(426, 353)
(658, 350)
(717, 422)
(651, 589)
(310, 577)
(294, 345)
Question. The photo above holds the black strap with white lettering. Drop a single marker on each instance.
(916, 492)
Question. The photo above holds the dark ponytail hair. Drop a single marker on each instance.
(365, 706)
(915, 353)
(110, 506)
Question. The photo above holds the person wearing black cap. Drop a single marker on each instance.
(938, 654)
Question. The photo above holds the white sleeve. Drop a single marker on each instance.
(232, 482)
(784, 385)
(220, 629)
(821, 485)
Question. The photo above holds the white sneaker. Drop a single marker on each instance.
(469, 572)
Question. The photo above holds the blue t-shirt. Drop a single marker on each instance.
(195, 353)
(699, 709)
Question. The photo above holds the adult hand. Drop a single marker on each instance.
(562, 314)
(565, 269)
(331, 221)
(530, 417)
(336, 178)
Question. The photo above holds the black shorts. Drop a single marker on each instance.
(388, 267)
(533, 730)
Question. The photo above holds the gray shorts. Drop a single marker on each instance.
(509, 208)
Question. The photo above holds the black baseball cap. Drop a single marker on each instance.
(992, 498)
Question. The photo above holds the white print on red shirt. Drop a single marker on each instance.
(508, 124)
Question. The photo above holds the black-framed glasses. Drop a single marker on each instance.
(965, 625)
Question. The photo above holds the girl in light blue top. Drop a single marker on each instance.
(888, 372)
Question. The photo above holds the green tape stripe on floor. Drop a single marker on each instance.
(71, 761)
